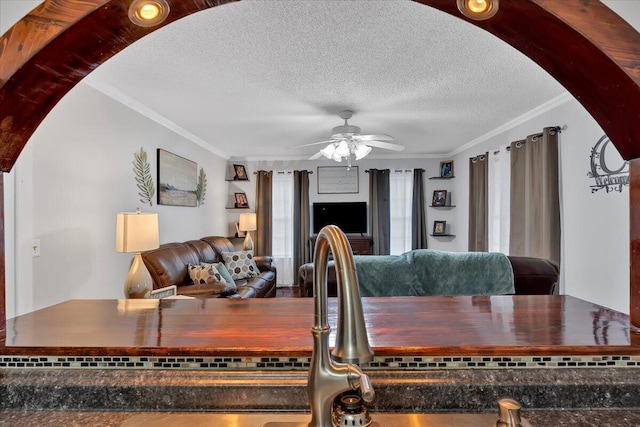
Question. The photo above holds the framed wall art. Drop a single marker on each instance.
(177, 180)
(338, 179)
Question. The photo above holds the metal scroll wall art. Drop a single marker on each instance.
(605, 176)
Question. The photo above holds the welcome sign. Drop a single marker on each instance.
(609, 171)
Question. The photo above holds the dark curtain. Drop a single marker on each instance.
(301, 251)
(380, 207)
(263, 212)
(535, 199)
(479, 203)
(418, 217)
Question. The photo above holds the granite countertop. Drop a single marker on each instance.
(582, 418)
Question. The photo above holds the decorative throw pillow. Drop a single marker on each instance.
(240, 264)
(222, 270)
(209, 275)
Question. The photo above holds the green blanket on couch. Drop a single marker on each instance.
(423, 272)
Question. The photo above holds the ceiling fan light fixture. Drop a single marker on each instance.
(478, 10)
(342, 150)
(361, 150)
(328, 151)
(148, 13)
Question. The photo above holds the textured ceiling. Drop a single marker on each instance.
(254, 78)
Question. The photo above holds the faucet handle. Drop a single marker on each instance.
(509, 413)
(366, 390)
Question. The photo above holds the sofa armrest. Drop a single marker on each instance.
(264, 263)
(534, 276)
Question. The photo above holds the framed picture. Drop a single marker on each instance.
(446, 169)
(167, 291)
(177, 180)
(439, 198)
(241, 200)
(439, 227)
(338, 180)
(241, 173)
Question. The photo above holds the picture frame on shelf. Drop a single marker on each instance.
(439, 228)
(241, 200)
(240, 173)
(439, 198)
(446, 169)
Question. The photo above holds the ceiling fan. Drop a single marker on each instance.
(346, 141)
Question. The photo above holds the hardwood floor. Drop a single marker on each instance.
(288, 292)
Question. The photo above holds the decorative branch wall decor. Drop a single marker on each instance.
(201, 188)
(144, 180)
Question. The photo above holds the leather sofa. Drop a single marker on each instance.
(532, 276)
(168, 265)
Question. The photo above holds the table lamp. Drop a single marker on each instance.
(248, 223)
(137, 232)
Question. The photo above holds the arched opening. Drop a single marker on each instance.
(610, 91)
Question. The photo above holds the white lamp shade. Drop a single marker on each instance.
(248, 222)
(136, 232)
(328, 150)
(342, 150)
(361, 150)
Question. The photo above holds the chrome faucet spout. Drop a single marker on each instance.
(330, 376)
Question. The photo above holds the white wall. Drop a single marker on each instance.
(74, 176)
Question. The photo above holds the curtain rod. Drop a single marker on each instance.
(396, 170)
(558, 129)
(256, 172)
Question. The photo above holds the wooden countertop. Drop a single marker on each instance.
(498, 325)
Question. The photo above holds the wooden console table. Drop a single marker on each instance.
(360, 245)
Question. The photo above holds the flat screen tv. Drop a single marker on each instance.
(351, 217)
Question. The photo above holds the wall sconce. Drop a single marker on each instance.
(478, 10)
(148, 13)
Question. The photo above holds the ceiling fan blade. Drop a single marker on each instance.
(314, 143)
(385, 145)
(374, 137)
(316, 156)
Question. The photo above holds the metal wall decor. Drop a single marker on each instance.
(144, 180)
(607, 174)
(201, 188)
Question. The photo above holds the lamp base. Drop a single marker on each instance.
(248, 242)
(138, 283)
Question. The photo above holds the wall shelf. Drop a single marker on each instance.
(442, 177)
(442, 235)
(443, 207)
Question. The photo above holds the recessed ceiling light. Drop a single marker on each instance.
(148, 13)
(478, 9)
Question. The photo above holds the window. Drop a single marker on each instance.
(282, 226)
(499, 200)
(400, 199)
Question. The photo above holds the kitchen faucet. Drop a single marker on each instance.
(335, 373)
